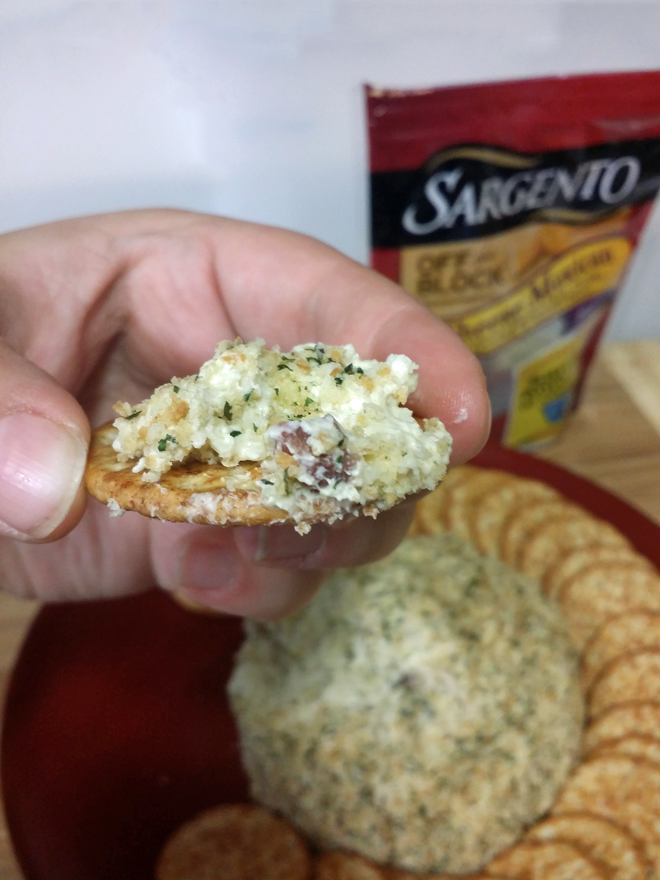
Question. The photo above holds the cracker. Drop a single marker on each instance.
(546, 860)
(520, 523)
(602, 591)
(621, 720)
(346, 866)
(637, 745)
(631, 676)
(625, 790)
(235, 842)
(573, 561)
(431, 511)
(463, 495)
(550, 540)
(189, 492)
(627, 632)
(491, 511)
(600, 839)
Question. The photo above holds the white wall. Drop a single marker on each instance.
(253, 108)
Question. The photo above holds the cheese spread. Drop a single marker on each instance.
(421, 711)
(329, 429)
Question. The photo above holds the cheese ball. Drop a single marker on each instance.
(420, 711)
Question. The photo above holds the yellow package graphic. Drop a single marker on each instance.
(542, 394)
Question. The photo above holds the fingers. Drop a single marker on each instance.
(270, 571)
(205, 565)
(317, 294)
(170, 284)
(451, 382)
(349, 542)
(43, 449)
(110, 305)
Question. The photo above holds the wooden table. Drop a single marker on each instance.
(614, 440)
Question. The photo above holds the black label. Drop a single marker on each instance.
(470, 191)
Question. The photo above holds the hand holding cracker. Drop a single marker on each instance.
(108, 308)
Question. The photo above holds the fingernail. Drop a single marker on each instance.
(279, 543)
(41, 466)
(205, 566)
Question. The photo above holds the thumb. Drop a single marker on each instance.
(44, 435)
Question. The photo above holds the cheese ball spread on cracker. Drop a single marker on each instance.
(259, 436)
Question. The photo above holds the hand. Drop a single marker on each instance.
(107, 308)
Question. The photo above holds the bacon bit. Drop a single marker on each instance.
(335, 465)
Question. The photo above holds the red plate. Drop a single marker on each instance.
(116, 726)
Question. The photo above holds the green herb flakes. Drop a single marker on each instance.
(162, 444)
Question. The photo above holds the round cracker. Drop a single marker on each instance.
(430, 513)
(599, 838)
(346, 866)
(637, 745)
(546, 860)
(602, 591)
(491, 511)
(520, 523)
(621, 720)
(235, 842)
(550, 540)
(575, 560)
(627, 632)
(625, 790)
(631, 676)
(464, 495)
(188, 492)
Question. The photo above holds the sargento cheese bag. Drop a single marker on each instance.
(512, 209)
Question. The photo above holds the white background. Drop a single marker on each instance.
(254, 108)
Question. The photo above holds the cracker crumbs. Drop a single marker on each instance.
(329, 430)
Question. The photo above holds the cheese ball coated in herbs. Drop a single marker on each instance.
(421, 711)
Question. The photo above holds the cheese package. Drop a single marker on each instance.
(512, 210)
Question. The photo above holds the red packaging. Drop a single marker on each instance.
(512, 210)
